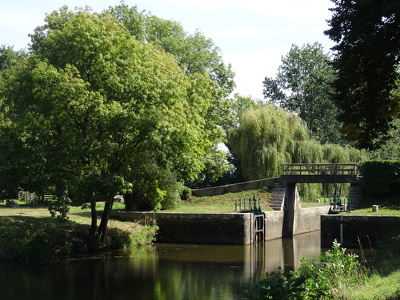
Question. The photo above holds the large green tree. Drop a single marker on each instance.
(93, 110)
(266, 138)
(303, 84)
(195, 53)
(366, 59)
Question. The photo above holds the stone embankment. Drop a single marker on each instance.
(226, 229)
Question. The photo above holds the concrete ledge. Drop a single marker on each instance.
(350, 231)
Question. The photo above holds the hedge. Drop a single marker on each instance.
(381, 177)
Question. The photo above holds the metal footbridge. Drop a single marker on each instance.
(285, 196)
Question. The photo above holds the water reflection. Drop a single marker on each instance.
(163, 271)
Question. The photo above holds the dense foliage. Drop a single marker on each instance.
(270, 136)
(9, 57)
(381, 177)
(93, 113)
(195, 54)
(32, 238)
(366, 63)
(389, 148)
(304, 84)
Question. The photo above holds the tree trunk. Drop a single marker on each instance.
(92, 239)
(101, 232)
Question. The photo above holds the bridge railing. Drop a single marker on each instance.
(248, 205)
(320, 169)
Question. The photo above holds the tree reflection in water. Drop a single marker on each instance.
(162, 271)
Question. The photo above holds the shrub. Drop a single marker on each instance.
(118, 239)
(186, 193)
(17, 244)
(59, 210)
(336, 272)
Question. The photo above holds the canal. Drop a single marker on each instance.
(157, 272)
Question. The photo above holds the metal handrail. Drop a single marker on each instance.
(321, 169)
(248, 205)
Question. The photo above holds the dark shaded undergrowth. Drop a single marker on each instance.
(31, 238)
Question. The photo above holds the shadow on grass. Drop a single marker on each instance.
(388, 202)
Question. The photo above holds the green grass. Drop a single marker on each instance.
(77, 219)
(31, 233)
(221, 203)
(378, 287)
(387, 206)
(382, 211)
(226, 204)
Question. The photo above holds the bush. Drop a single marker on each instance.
(155, 192)
(20, 243)
(59, 210)
(173, 189)
(335, 273)
(117, 239)
(186, 193)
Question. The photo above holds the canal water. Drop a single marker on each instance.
(158, 272)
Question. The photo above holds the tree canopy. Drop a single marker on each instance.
(9, 57)
(93, 111)
(366, 63)
(195, 54)
(304, 84)
(270, 136)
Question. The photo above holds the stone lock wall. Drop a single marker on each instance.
(224, 229)
(356, 231)
(309, 219)
(208, 228)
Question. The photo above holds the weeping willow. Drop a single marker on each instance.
(270, 136)
(265, 139)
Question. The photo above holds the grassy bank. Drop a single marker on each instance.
(378, 287)
(222, 203)
(226, 203)
(30, 233)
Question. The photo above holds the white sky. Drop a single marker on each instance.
(253, 35)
